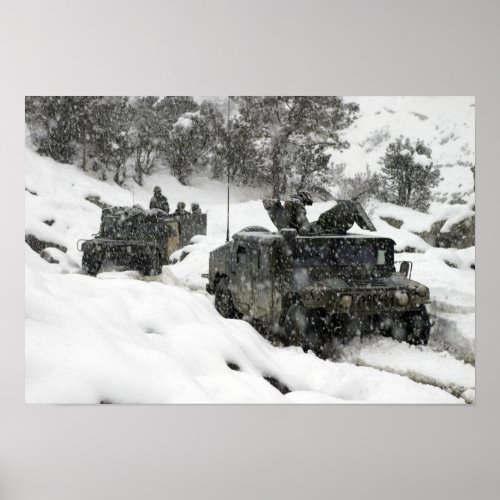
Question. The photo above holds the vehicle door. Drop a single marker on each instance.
(173, 237)
(263, 283)
(241, 270)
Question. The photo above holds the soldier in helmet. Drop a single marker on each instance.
(295, 209)
(195, 209)
(159, 201)
(181, 209)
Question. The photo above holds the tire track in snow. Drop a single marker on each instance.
(454, 327)
(455, 333)
(420, 364)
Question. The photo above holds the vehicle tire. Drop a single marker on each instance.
(299, 328)
(152, 265)
(224, 300)
(91, 263)
(156, 267)
(353, 327)
(398, 330)
(419, 328)
(331, 349)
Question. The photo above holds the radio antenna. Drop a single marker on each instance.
(227, 157)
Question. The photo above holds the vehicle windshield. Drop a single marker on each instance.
(121, 228)
(341, 254)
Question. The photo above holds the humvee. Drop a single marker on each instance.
(139, 239)
(322, 288)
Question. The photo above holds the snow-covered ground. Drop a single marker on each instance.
(123, 338)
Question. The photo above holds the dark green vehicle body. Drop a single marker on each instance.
(318, 287)
(139, 239)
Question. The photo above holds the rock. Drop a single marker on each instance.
(408, 249)
(460, 235)
(45, 255)
(397, 223)
(39, 245)
(96, 200)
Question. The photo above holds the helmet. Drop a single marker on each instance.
(195, 206)
(181, 205)
(157, 189)
(306, 197)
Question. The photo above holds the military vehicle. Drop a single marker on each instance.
(139, 239)
(323, 288)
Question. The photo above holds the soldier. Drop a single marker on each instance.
(181, 209)
(296, 212)
(159, 201)
(195, 209)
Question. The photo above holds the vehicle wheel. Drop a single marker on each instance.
(352, 328)
(398, 330)
(152, 265)
(331, 349)
(91, 263)
(299, 328)
(156, 266)
(224, 300)
(419, 328)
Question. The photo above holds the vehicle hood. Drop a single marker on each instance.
(304, 279)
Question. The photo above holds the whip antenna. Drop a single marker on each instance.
(227, 156)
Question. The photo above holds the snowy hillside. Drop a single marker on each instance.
(445, 124)
(123, 338)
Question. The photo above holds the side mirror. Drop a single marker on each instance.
(405, 268)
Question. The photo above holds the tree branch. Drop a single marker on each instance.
(309, 144)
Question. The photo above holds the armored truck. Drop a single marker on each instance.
(139, 239)
(322, 288)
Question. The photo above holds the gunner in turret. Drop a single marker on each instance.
(295, 209)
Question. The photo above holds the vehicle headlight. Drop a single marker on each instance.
(345, 301)
(317, 293)
(422, 291)
(401, 298)
(98, 247)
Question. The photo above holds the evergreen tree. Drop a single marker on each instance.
(212, 132)
(408, 174)
(280, 123)
(242, 155)
(309, 168)
(52, 125)
(110, 141)
(145, 135)
(184, 146)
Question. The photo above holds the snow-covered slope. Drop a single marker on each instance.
(446, 124)
(121, 338)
